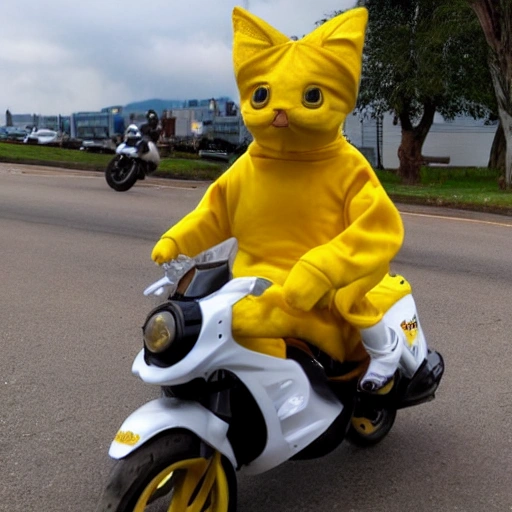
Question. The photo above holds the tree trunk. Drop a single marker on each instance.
(502, 87)
(507, 123)
(495, 19)
(413, 137)
(409, 154)
(498, 149)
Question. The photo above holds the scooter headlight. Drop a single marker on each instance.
(160, 332)
(170, 332)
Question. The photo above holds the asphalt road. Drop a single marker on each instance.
(75, 257)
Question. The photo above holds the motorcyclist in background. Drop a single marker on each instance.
(150, 129)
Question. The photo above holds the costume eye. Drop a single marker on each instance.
(261, 96)
(313, 97)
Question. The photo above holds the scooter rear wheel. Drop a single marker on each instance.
(122, 173)
(371, 427)
(170, 473)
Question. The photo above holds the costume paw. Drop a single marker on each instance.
(165, 250)
(275, 297)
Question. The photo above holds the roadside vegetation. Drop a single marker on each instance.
(470, 188)
(465, 188)
(180, 166)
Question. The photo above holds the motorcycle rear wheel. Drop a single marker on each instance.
(371, 427)
(169, 473)
(122, 173)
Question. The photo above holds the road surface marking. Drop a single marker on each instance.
(460, 219)
(71, 173)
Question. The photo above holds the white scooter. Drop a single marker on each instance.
(226, 409)
(135, 158)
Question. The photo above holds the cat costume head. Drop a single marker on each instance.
(295, 95)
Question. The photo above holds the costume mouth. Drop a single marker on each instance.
(281, 119)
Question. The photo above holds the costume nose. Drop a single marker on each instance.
(281, 119)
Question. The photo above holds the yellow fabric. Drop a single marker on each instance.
(329, 57)
(307, 209)
(389, 291)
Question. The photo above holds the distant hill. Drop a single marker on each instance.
(159, 105)
(154, 104)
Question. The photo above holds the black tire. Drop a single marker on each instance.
(133, 478)
(122, 173)
(371, 427)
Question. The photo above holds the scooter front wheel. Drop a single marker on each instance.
(171, 473)
(122, 173)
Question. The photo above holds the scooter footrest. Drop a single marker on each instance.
(424, 383)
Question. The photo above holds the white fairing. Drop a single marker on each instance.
(151, 156)
(124, 149)
(167, 413)
(294, 413)
(415, 349)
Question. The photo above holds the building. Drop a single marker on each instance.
(214, 118)
(25, 121)
(29, 122)
(98, 129)
(466, 141)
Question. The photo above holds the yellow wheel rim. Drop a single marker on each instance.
(364, 426)
(200, 485)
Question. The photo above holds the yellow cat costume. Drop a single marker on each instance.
(307, 209)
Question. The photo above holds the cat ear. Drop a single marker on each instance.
(343, 33)
(251, 36)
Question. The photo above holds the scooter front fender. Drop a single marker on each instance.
(169, 413)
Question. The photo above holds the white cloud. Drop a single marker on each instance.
(31, 52)
(59, 56)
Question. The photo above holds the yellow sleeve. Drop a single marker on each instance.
(373, 236)
(205, 226)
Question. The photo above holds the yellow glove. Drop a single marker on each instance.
(306, 286)
(165, 250)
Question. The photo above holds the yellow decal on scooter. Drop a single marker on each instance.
(126, 438)
(410, 329)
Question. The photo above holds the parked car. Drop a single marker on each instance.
(42, 136)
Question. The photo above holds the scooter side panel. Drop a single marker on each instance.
(294, 413)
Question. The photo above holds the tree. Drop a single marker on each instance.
(498, 150)
(495, 18)
(419, 60)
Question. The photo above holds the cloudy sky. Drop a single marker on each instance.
(61, 56)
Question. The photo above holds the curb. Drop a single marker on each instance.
(441, 203)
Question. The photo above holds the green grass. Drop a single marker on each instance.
(190, 169)
(27, 153)
(182, 168)
(471, 188)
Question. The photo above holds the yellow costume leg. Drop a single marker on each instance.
(275, 347)
(258, 318)
(381, 341)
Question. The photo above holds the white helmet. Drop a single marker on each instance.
(132, 132)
